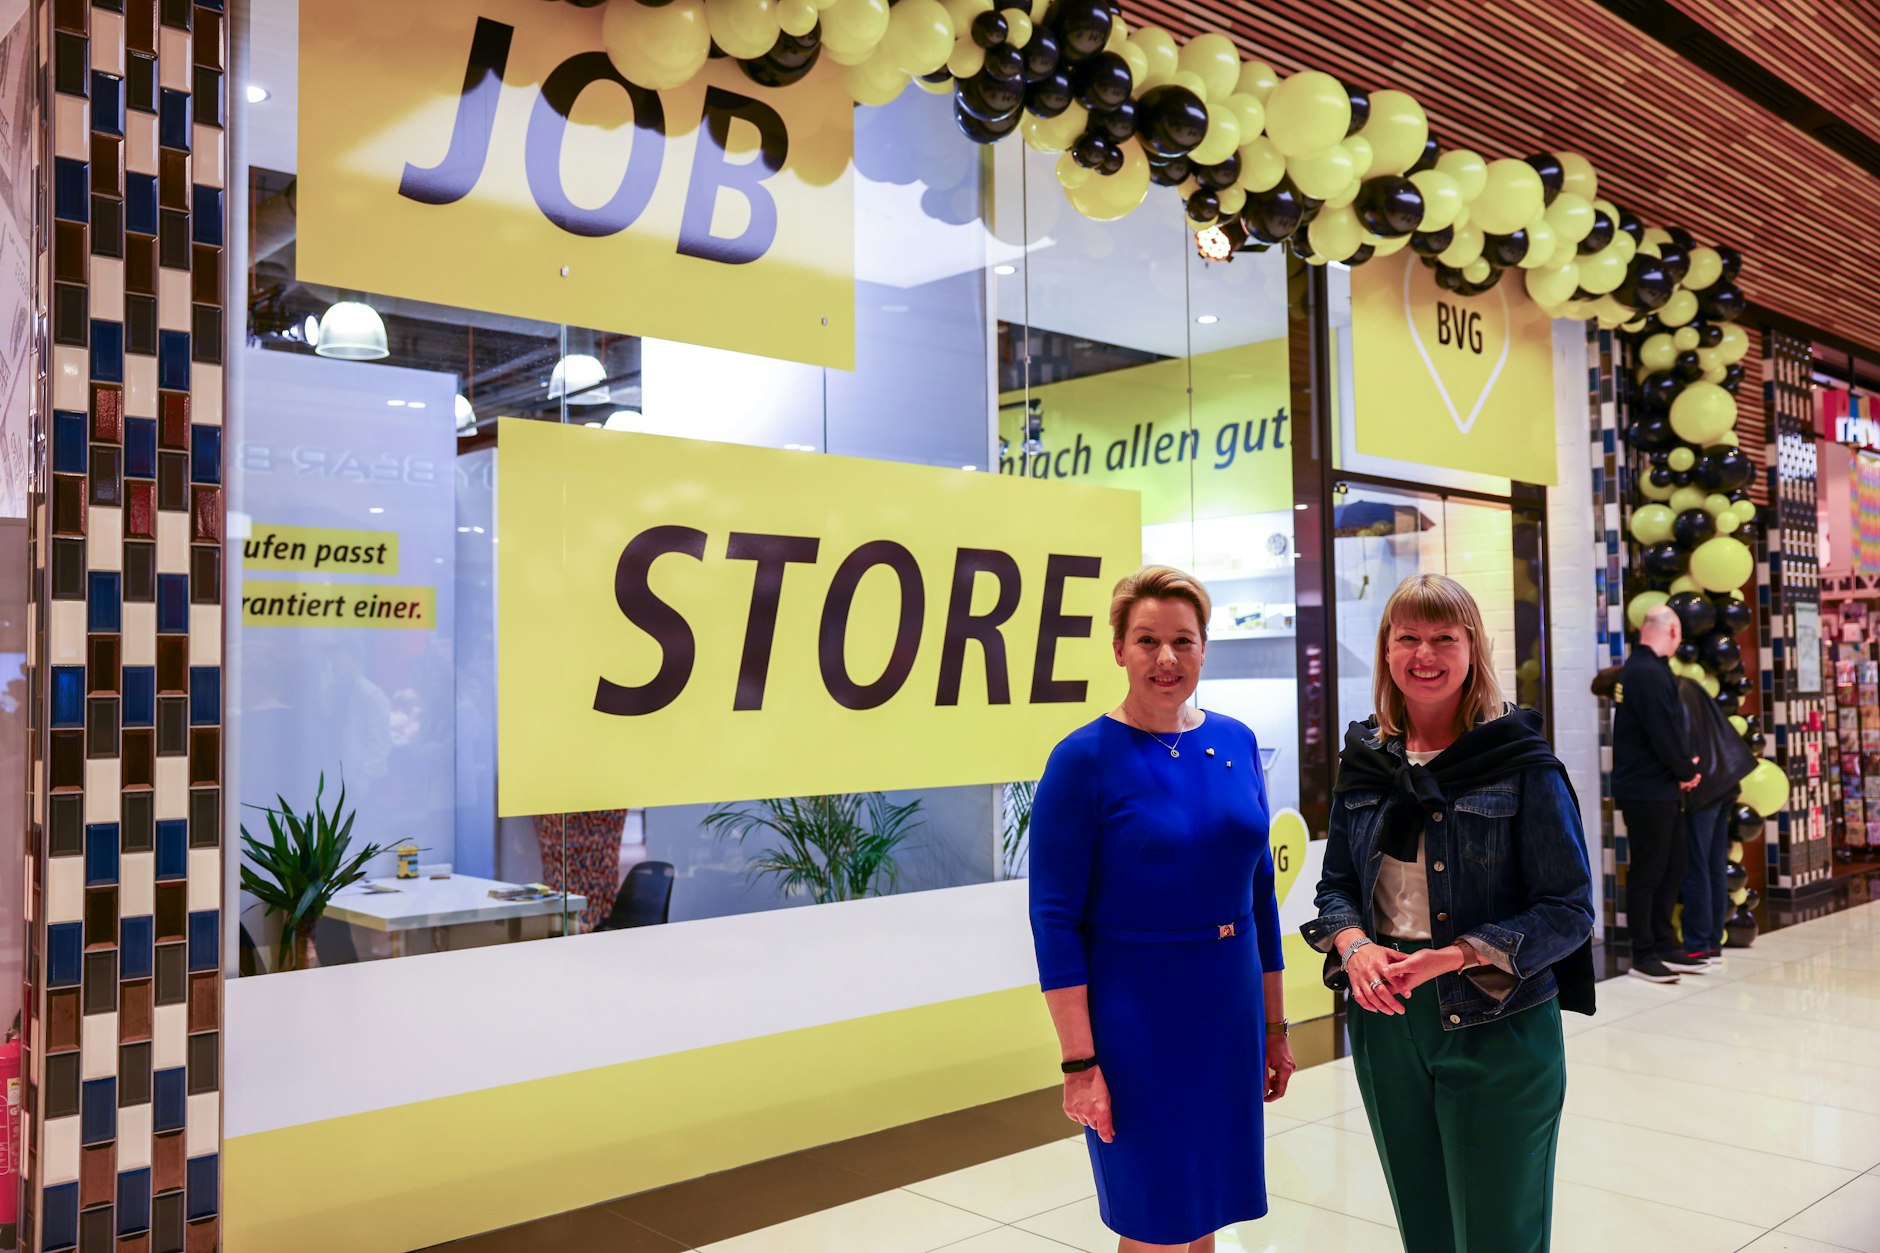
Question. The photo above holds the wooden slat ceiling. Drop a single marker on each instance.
(1829, 50)
(1510, 77)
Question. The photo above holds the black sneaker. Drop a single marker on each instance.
(1686, 964)
(1652, 969)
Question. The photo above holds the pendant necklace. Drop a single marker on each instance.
(1173, 749)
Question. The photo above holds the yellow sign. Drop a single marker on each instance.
(282, 604)
(748, 622)
(319, 548)
(1466, 383)
(1228, 453)
(490, 156)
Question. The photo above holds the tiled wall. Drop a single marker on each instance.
(1611, 480)
(124, 855)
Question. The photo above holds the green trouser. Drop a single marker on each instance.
(1466, 1122)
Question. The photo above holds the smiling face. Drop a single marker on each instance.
(1162, 650)
(1429, 662)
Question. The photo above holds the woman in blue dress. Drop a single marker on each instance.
(1158, 938)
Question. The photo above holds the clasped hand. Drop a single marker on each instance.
(1383, 978)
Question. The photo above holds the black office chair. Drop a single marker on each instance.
(645, 899)
(333, 943)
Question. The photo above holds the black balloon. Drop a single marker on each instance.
(1431, 151)
(1448, 277)
(1689, 367)
(1083, 25)
(1042, 53)
(1731, 465)
(1169, 173)
(1050, 95)
(987, 98)
(1745, 823)
(1103, 81)
(1646, 284)
(1601, 234)
(1553, 174)
(1655, 432)
(982, 130)
(1732, 262)
(1687, 651)
(1709, 335)
(1221, 175)
(1204, 206)
(1629, 223)
(1657, 391)
(1681, 237)
(1273, 215)
(1733, 376)
(1432, 243)
(1683, 478)
(1005, 61)
(1734, 616)
(1720, 302)
(1503, 251)
(1360, 110)
(1740, 929)
(1365, 253)
(1389, 206)
(1119, 124)
(1729, 702)
(1476, 289)
(1113, 161)
(1662, 561)
(1676, 261)
(1719, 651)
(1170, 120)
(1695, 613)
(789, 60)
(1089, 150)
(989, 29)
(1661, 476)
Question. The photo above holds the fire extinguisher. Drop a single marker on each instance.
(10, 1142)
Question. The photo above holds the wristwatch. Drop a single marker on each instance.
(1282, 1026)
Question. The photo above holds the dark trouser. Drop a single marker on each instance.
(1466, 1122)
(1654, 832)
(1706, 877)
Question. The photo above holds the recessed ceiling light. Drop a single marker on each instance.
(969, 467)
(416, 404)
(376, 509)
(592, 424)
(1207, 319)
(1298, 506)
(1005, 269)
(396, 404)
(257, 93)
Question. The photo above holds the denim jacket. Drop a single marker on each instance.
(1507, 871)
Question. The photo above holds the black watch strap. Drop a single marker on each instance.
(1078, 1066)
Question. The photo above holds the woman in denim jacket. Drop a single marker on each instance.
(1456, 859)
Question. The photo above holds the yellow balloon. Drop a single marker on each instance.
(1728, 437)
(1362, 158)
(1736, 855)
(1137, 59)
(1336, 233)
(1108, 197)
(1735, 344)
(1710, 357)
(1705, 269)
(1643, 604)
(1602, 272)
(1727, 523)
(1308, 113)
(1468, 169)
(1257, 79)
(876, 81)
(1071, 175)
(1542, 245)
(1701, 412)
(1684, 583)
(1233, 200)
(1347, 195)
(798, 17)
(964, 11)
(1681, 459)
(1119, 34)
(1571, 217)
(1390, 247)
(659, 48)
(1739, 724)
(1464, 247)
(1680, 309)
(1442, 198)
(1686, 499)
(1055, 134)
(1686, 339)
(1511, 196)
(1261, 165)
(1657, 237)
(1745, 510)
(1552, 285)
(1581, 179)
(1159, 47)
(1722, 563)
(1709, 683)
(1249, 112)
(748, 28)
(1766, 789)
(1190, 80)
(968, 59)
(1222, 139)
(920, 35)
(851, 29)
(1397, 129)
(1018, 28)
(1322, 174)
(1477, 270)
(1658, 353)
(1215, 60)
(1651, 524)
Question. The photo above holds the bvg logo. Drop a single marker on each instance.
(452, 178)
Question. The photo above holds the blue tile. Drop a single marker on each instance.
(107, 103)
(137, 953)
(71, 190)
(172, 849)
(140, 204)
(98, 1111)
(107, 351)
(65, 954)
(140, 447)
(140, 696)
(58, 1221)
(207, 215)
(173, 119)
(202, 1178)
(172, 604)
(69, 445)
(133, 1201)
(101, 854)
(205, 695)
(167, 1097)
(205, 454)
(68, 696)
(173, 360)
(104, 604)
(205, 939)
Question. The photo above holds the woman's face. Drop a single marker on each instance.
(1429, 661)
(1162, 650)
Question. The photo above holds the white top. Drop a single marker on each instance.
(439, 903)
(1400, 907)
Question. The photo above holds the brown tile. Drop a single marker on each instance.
(107, 165)
(205, 275)
(1040, 1112)
(136, 1007)
(139, 751)
(206, 515)
(172, 919)
(167, 1162)
(173, 179)
(595, 1228)
(203, 1236)
(70, 253)
(173, 420)
(101, 654)
(140, 265)
(107, 414)
(68, 504)
(934, 1146)
(97, 1175)
(101, 917)
(140, 25)
(62, 1015)
(747, 1199)
(207, 43)
(139, 1243)
(173, 665)
(205, 1012)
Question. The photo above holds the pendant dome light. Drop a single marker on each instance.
(581, 379)
(352, 331)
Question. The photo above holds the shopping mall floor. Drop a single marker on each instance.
(1738, 1110)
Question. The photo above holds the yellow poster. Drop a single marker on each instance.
(1466, 383)
(1229, 452)
(285, 604)
(320, 548)
(682, 621)
(490, 156)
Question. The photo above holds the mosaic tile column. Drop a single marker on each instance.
(124, 858)
(1612, 482)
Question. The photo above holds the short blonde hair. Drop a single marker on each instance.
(1157, 583)
(1431, 599)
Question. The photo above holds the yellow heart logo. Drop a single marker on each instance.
(1464, 343)
(1288, 836)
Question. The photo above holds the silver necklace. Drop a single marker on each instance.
(1173, 749)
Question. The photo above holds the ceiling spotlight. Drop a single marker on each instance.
(1206, 319)
(622, 420)
(466, 413)
(352, 331)
(580, 380)
(257, 93)
(1005, 269)
(396, 404)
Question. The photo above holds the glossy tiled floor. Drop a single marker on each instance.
(1735, 1111)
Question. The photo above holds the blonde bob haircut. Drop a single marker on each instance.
(1434, 600)
(1157, 583)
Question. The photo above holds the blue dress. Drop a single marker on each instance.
(1138, 862)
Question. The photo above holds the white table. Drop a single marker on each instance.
(440, 903)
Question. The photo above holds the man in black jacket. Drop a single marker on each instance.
(1709, 808)
(1652, 766)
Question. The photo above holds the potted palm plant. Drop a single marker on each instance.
(829, 848)
(296, 871)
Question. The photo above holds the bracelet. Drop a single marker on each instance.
(1282, 1026)
(1078, 1066)
(1468, 952)
(1353, 947)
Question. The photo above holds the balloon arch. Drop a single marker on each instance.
(1332, 173)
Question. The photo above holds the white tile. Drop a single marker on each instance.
(172, 300)
(1319, 1092)
(140, 633)
(173, 61)
(107, 289)
(891, 1222)
(169, 1036)
(1587, 1220)
(71, 128)
(172, 793)
(211, 156)
(1783, 1242)
(58, 1153)
(107, 42)
(66, 638)
(1019, 1186)
(101, 790)
(1695, 1020)
(1848, 1084)
(134, 1131)
(172, 542)
(205, 395)
(202, 1124)
(65, 889)
(205, 635)
(1006, 1240)
(1331, 1169)
(1797, 1004)
(205, 879)
(1290, 1226)
(137, 885)
(104, 539)
(140, 386)
(98, 1045)
(1850, 1217)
